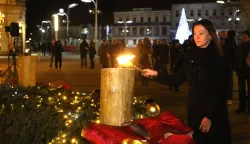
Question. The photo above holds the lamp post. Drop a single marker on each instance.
(48, 22)
(61, 13)
(234, 20)
(56, 25)
(69, 7)
(243, 5)
(96, 19)
(125, 29)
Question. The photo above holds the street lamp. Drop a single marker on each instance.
(69, 7)
(96, 20)
(220, 1)
(125, 28)
(56, 25)
(62, 13)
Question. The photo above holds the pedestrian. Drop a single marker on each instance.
(114, 51)
(53, 51)
(92, 53)
(58, 55)
(104, 54)
(156, 55)
(204, 67)
(146, 59)
(175, 62)
(84, 47)
(227, 39)
(242, 71)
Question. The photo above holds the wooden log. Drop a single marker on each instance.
(117, 92)
(27, 71)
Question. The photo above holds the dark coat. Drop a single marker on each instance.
(241, 54)
(92, 50)
(84, 46)
(205, 73)
(164, 53)
(58, 50)
(104, 51)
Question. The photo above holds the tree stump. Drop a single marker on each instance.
(117, 92)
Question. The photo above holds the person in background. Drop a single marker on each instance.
(92, 53)
(104, 54)
(84, 47)
(53, 51)
(242, 71)
(146, 59)
(156, 56)
(58, 55)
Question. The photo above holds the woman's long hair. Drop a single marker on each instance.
(212, 31)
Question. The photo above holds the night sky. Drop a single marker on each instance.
(38, 10)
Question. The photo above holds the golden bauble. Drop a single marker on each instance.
(131, 141)
(153, 108)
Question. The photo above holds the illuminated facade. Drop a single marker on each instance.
(12, 11)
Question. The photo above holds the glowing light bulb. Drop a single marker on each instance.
(73, 140)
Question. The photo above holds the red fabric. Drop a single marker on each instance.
(103, 134)
(156, 126)
(178, 139)
(70, 48)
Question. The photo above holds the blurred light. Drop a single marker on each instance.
(229, 19)
(86, 1)
(73, 5)
(220, 1)
(61, 10)
(129, 21)
(56, 26)
(238, 19)
(27, 50)
(43, 31)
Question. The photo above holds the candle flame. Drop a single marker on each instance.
(125, 59)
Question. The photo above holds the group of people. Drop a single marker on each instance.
(56, 52)
(108, 52)
(207, 64)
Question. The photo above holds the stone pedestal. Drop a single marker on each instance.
(26, 71)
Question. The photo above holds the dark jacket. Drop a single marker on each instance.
(164, 53)
(84, 46)
(92, 50)
(205, 73)
(58, 49)
(241, 54)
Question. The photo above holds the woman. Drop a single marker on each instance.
(205, 69)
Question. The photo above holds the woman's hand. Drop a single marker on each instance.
(149, 72)
(205, 125)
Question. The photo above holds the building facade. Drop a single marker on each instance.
(141, 23)
(223, 17)
(13, 11)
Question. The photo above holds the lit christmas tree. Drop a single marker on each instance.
(183, 31)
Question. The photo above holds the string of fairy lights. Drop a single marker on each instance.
(75, 110)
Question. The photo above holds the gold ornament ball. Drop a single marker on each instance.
(131, 141)
(153, 108)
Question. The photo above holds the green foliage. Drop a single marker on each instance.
(37, 115)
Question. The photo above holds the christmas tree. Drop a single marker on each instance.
(183, 31)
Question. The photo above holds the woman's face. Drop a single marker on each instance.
(201, 36)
